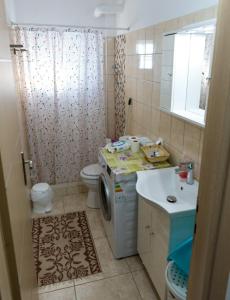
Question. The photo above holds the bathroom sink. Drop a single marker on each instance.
(156, 185)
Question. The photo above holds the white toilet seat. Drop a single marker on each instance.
(91, 172)
(88, 177)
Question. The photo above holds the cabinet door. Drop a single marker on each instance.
(144, 229)
(159, 250)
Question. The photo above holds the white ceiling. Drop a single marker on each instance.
(137, 13)
(64, 12)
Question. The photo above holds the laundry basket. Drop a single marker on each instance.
(42, 196)
(176, 281)
(177, 271)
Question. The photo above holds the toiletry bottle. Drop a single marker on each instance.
(190, 179)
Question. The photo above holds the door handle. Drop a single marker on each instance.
(24, 164)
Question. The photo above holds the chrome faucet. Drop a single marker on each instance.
(188, 167)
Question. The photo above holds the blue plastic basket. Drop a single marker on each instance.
(182, 255)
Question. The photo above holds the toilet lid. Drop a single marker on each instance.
(92, 170)
(40, 187)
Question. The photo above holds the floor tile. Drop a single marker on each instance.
(134, 263)
(110, 266)
(95, 224)
(119, 287)
(64, 294)
(56, 286)
(58, 208)
(75, 202)
(144, 285)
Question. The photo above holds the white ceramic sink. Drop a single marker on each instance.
(156, 185)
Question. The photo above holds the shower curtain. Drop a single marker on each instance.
(60, 80)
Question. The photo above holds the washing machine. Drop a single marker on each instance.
(118, 203)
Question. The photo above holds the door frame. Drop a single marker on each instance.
(214, 191)
(7, 240)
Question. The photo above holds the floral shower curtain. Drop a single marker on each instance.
(61, 87)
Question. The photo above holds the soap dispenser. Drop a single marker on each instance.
(190, 178)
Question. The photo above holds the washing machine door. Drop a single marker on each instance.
(105, 197)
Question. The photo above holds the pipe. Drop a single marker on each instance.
(72, 26)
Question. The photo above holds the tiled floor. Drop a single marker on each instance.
(123, 279)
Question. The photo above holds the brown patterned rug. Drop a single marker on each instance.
(63, 248)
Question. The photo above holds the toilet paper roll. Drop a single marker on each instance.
(135, 146)
(133, 138)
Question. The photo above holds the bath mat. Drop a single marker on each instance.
(63, 248)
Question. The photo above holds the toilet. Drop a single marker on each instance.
(90, 177)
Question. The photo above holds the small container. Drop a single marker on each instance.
(190, 177)
(42, 196)
(135, 146)
(162, 154)
(183, 175)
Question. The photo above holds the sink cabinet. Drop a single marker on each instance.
(158, 234)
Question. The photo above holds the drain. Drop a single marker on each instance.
(171, 199)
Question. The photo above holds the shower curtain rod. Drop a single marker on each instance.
(72, 26)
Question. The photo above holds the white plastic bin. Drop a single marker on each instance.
(176, 282)
(42, 196)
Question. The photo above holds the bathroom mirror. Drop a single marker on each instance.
(186, 71)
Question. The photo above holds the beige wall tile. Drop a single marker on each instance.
(147, 93)
(159, 30)
(177, 133)
(205, 14)
(192, 142)
(130, 43)
(194, 132)
(197, 171)
(140, 66)
(149, 40)
(186, 20)
(109, 70)
(110, 46)
(156, 94)
(157, 68)
(165, 126)
(139, 37)
(171, 25)
(175, 156)
(149, 63)
(146, 118)
(131, 88)
(155, 121)
(140, 90)
(144, 92)
(139, 113)
(110, 114)
(201, 145)
(130, 65)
